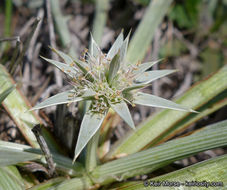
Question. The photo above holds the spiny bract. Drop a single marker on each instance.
(106, 81)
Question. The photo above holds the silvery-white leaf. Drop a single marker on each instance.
(68, 60)
(116, 46)
(123, 49)
(89, 126)
(63, 98)
(94, 48)
(144, 66)
(155, 101)
(123, 111)
(71, 71)
(149, 76)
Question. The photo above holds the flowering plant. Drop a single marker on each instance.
(106, 81)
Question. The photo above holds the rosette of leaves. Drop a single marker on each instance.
(106, 81)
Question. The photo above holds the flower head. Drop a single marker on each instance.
(107, 81)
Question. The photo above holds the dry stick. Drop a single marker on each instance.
(26, 27)
(30, 54)
(54, 56)
(21, 56)
(15, 55)
(43, 145)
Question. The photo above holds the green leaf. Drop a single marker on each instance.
(123, 112)
(146, 161)
(10, 179)
(210, 170)
(6, 92)
(63, 98)
(17, 105)
(155, 101)
(134, 87)
(74, 183)
(61, 25)
(12, 153)
(144, 66)
(116, 46)
(144, 33)
(114, 67)
(83, 67)
(48, 184)
(71, 71)
(90, 124)
(210, 107)
(99, 21)
(149, 76)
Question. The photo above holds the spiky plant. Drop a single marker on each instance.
(106, 81)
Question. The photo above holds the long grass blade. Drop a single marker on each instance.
(10, 178)
(210, 173)
(146, 161)
(146, 29)
(13, 153)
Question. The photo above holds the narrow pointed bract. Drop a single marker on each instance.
(142, 67)
(71, 71)
(106, 81)
(123, 111)
(155, 101)
(63, 98)
(115, 47)
(68, 60)
(90, 124)
(150, 76)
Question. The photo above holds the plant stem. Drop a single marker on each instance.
(7, 24)
(91, 152)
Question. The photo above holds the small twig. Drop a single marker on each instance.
(43, 145)
(40, 15)
(26, 26)
(10, 39)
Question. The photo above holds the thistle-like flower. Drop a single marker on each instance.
(106, 81)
